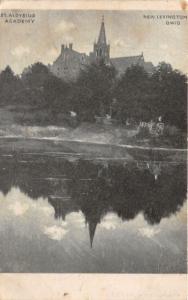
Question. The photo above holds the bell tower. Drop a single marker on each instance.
(101, 48)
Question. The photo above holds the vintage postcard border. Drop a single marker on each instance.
(93, 286)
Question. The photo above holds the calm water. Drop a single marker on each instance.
(60, 215)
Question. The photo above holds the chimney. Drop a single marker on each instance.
(70, 46)
(62, 48)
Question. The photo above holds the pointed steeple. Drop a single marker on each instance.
(102, 34)
(101, 50)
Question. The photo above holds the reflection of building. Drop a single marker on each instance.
(96, 188)
(69, 63)
(62, 206)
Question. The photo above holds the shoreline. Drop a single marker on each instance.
(131, 146)
(91, 150)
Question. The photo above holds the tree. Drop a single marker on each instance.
(9, 85)
(144, 97)
(93, 91)
(56, 95)
(171, 95)
(35, 75)
(7, 76)
(132, 94)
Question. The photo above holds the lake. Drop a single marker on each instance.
(68, 214)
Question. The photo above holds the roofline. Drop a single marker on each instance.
(120, 57)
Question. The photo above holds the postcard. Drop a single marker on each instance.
(93, 150)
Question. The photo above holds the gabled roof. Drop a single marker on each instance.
(69, 54)
(122, 63)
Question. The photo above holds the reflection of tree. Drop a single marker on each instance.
(7, 178)
(98, 188)
(167, 195)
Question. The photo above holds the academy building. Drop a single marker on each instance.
(69, 63)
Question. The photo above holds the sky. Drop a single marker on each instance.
(128, 33)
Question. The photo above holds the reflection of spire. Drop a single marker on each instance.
(92, 229)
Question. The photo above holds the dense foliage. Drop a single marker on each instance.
(93, 91)
(98, 91)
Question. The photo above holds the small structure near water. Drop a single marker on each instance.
(155, 128)
(106, 120)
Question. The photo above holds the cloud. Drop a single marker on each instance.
(110, 222)
(53, 52)
(108, 225)
(65, 31)
(18, 208)
(120, 43)
(163, 46)
(76, 219)
(20, 51)
(65, 27)
(55, 232)
(16, 203)
(46, 210)
(148, 232)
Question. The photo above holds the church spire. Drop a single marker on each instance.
(102, 34)
(101, 51)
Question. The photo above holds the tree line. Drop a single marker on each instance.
(98, 91)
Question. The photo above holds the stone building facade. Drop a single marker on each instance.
(69, 63)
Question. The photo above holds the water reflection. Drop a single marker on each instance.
(157, 190)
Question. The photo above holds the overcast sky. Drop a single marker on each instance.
(127, 32)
